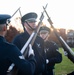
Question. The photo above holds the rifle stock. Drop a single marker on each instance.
(31, 40)
(67, 49)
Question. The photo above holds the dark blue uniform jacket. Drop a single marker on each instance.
(11, 54)
(52, 53)
(38, 48)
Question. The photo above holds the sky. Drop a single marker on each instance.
(61, 12)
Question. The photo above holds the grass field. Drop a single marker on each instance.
(65, 67)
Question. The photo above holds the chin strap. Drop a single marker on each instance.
(29, 25)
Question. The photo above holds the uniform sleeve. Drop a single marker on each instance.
(53, 53)
(57, 58)
(26, 66)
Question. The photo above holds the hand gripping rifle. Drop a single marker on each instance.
(67, 49)
(24, 50)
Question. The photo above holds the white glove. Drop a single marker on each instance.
(65, 53)
(31, 52)
(47, 61)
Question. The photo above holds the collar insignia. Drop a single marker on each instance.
(39, 46)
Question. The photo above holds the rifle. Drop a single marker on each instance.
(33, 35)
(67, 49)
(16, 12)
(25, 49)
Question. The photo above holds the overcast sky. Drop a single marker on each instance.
(60, 11)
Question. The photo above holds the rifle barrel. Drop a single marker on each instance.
(70, 53)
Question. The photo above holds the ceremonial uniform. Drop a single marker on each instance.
(38, 45)
(53, 55)
(9, 54)
(38, 48)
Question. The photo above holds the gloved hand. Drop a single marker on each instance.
(31, 52)
(65, 53)
(47, 61)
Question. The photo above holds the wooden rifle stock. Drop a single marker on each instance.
(31, 40)
(67, 49)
